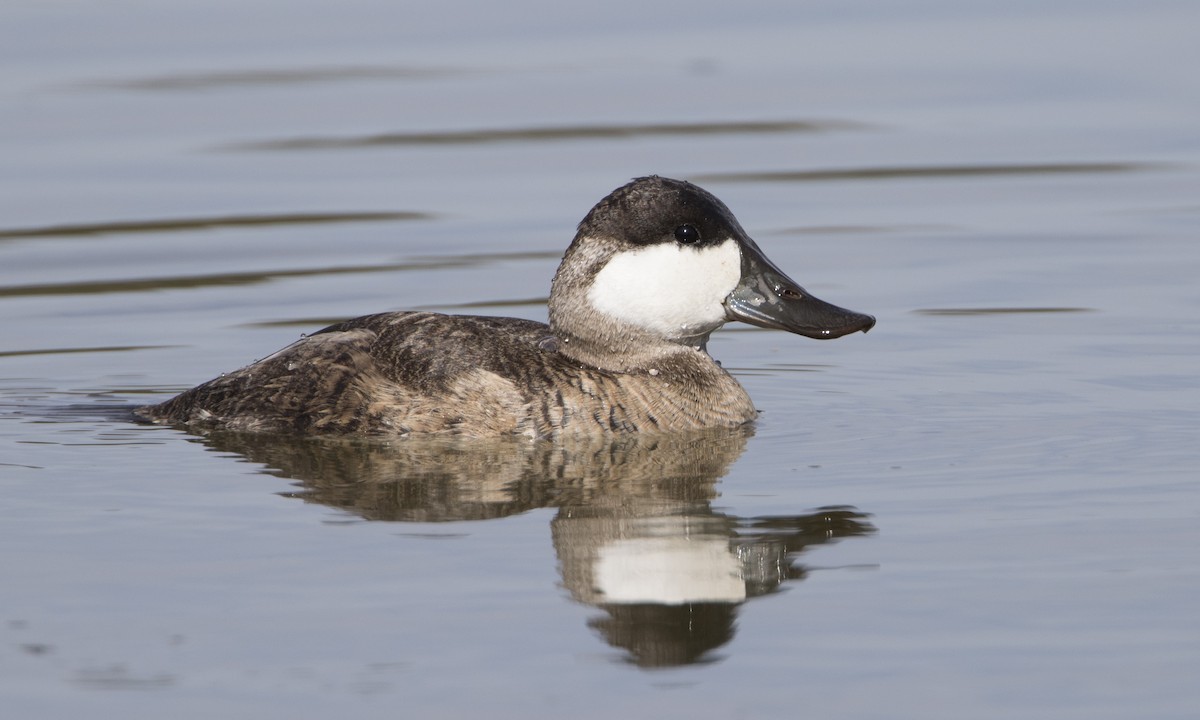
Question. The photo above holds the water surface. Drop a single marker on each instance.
(986, 507)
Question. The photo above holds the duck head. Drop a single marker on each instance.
(662, 260)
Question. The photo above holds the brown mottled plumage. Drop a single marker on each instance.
(597, 367)
(391, 373)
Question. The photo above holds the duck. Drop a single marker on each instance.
(653, 270)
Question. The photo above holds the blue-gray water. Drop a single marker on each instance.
(987, 507)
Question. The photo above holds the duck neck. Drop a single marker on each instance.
(626, 350)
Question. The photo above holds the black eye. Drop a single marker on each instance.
(687, 234)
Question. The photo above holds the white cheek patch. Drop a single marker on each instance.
(671, 290)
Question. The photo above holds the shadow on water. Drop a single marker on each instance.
(636, 534)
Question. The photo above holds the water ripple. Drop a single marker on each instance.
(206, 223)
(269, 76)
(76, 350)
(926, 171)
(539, 134)
(1001, 310)
(94, 287)
(477, 304)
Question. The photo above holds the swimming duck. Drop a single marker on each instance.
(654, 269)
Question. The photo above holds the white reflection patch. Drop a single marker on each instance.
(669, 571)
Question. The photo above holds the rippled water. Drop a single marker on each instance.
(986, 507)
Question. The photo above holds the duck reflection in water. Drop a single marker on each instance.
(636, 534)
